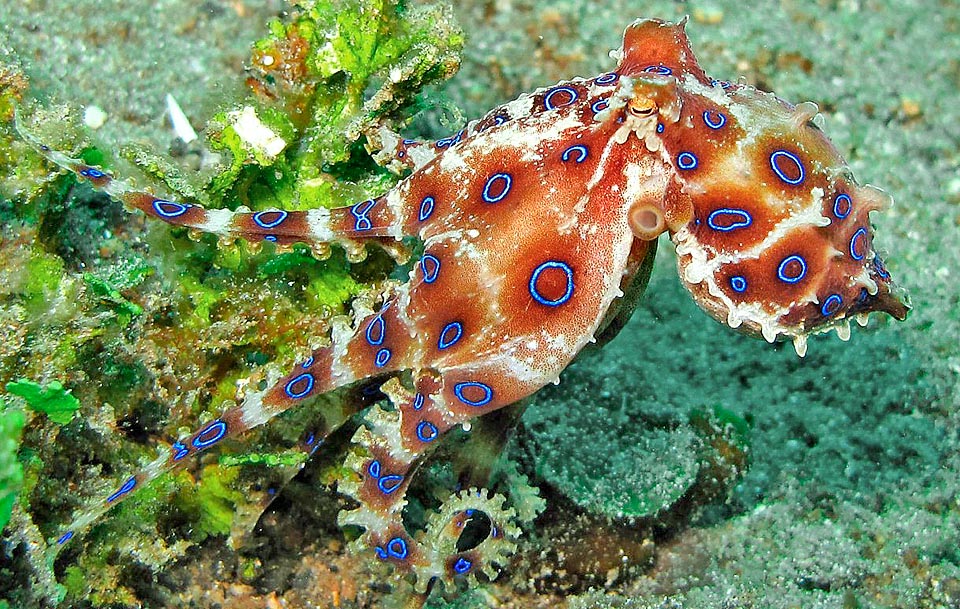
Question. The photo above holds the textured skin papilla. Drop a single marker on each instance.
(537, 220)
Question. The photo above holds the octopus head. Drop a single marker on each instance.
(777, 238)
(772, 231)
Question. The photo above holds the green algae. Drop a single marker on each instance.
(11, 471)
(110, 282)
(43, 276)
(213, 501)
(52, 399)
(268, 459)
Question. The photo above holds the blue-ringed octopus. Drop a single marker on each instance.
(539, 222)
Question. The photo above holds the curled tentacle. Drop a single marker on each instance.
(389, 447)
(442, 540)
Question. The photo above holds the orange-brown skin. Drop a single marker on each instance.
(536, 220)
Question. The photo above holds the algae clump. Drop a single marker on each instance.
(53, 400)
(11, 472)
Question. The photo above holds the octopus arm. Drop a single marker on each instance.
(372, 220)
(634, 284)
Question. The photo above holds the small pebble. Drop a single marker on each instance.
(94, 117)
(710, 15)
(910, 108)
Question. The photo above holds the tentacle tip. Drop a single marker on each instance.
(875, 199)
(804, 112)
(800, 344)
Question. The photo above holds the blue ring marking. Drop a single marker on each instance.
(499, 120)
(306, 378)
(774, 163)
(831, 305)
(547, 99)
(444, 341)
(854, 240)
(397, 548)
(389, 484)
(374, 469)
(418, 401)
(382, 357)
(508, 183)
(720, 121)
(863, 296)
(270, 238)
(259, 221)
(376, 326)
(179, 209)
(658, 69)
(427, 431)
(93, 173)
(310, 439)
(450, 141)
(426, 208)
(210, 435)
(659, 127)
(307, 363)
(551, 264)
(65, 538)
(123, 490)
(744, 222)
(606, 79)
(179, 450)
(401, 154)
(579, 149)
(879, 267)
(844, 199)
(600, 105)
(381, 553)
(686, 160)
(739, 284)
(360, 211)
(430, 273)
(781, 270)
(487, 391)
(462, 565)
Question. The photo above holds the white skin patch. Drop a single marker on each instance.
(218, 221)
(319, 222)
(420, 155)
